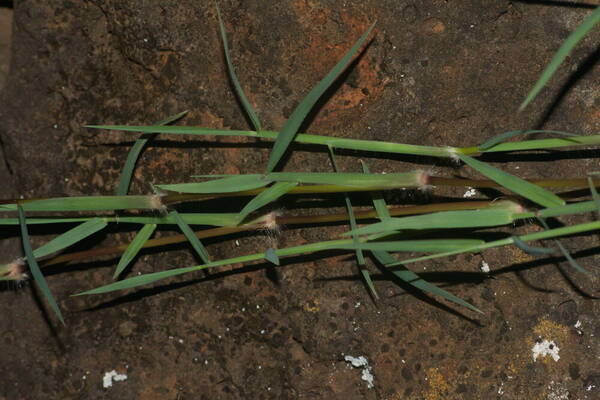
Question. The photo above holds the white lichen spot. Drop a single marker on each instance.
(471, 192)
(361, 362)
(484, 267)
(545, 348)
(577, 327)
(112, 376)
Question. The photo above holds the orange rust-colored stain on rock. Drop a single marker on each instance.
(322, 55)
(433, 26)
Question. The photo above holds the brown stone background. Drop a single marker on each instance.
(438, 72)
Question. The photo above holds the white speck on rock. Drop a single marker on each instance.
(470, 193)
(545, 348)
(361, 362)
(485, 267)
(112, 376)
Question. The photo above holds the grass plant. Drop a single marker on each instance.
(392, 231)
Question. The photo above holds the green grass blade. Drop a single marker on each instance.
(595, 196)
(497, 139)
(266, 197)
(440, 220)
(547, 234)
(391, 181)
(70, 237)
(335, 142)
(87, 203)
(366, 145)
(378, 202)
(426, 245)
(234, 79)
(139, 280)
(533, 250)
(543, 144)
(570, 258)
(526, 189)
(38, 277)
(564, 251)
(211, 219)
(290, 129)
(236, 183)
(413, 279)
(271, 256)
(134, 247)
(360, 257)
(134, 153)
(564, 50)
(191, 237)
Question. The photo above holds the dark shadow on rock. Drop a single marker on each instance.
(519, 267)
(558, 3)
(584, 67)
(45, 315)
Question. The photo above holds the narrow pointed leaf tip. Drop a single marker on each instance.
(564, 50)
(271, 256)
(290, 129)
(234, 79)
(415, 280)
(38, 277)
(134, 153)
(134, 247)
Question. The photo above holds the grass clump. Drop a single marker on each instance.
(455, 225)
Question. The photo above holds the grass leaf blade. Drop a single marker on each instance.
(268, 196)
(134, 247)
(533, 250)
(236, 183)
(497, 139)
(564, 50)
(290, 129)
(378, 202)
(526, 189)
(38, 277)
(415, 280)
(70, 237)
(234, 79)
(134, 153)
(360, 257)
(564, 251)
(138, 281)
(271, 256)
(191, 237)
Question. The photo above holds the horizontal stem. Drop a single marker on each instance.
(283, 220)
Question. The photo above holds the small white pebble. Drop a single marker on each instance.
(471, 192)
(357, 304)
(112, 376)
(485, 267)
